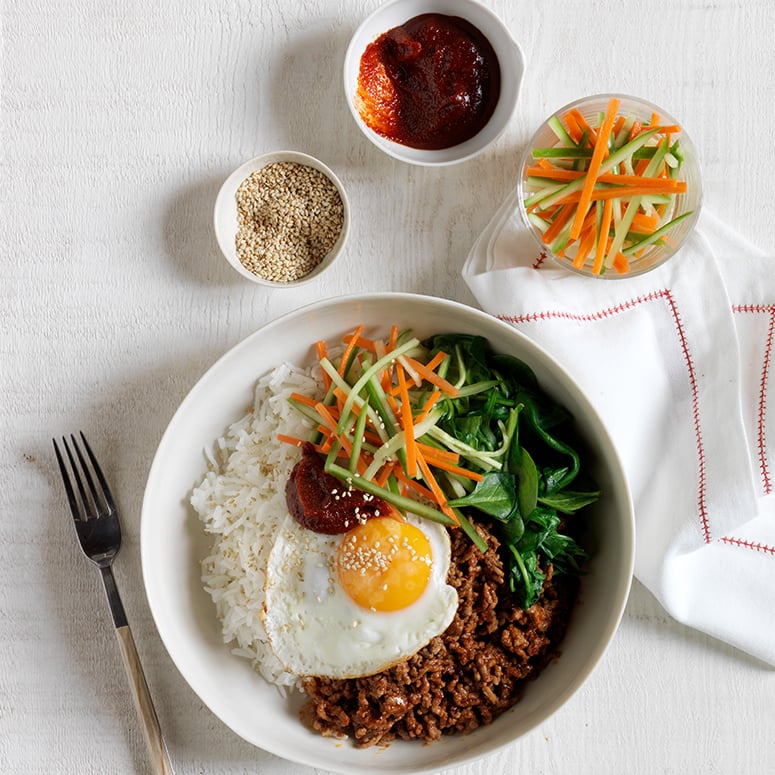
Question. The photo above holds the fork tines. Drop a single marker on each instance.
(89, 504)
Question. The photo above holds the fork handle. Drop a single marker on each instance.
(134, 670)
(142, 697)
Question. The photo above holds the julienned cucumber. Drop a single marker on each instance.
(607, 190)
(399, 501)
(657, 235)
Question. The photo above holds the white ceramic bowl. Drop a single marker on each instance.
(173, 543)
(225, 214)
(508, 52)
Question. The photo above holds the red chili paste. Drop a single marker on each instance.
(323, 503)
(430, 83)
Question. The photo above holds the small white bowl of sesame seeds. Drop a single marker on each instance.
(281, 219)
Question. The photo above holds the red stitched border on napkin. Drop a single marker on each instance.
(666, 296)
(761, 414)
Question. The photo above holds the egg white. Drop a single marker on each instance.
(315, 628)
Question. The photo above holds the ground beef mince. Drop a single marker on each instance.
(464, 677)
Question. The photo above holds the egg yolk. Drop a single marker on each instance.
(384, 564)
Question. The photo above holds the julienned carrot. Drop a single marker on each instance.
(584, 125)
(410, 372)
(621, 264)
(349, 350)
(600, 150)
(302, 399)
(574, 130)
(385, 473)
(432, 377)
(562, 217)
(436, 361)
(585, 246)
(644, 224)
(552, 173)
(296, 442)
(362, 342)
(453, 469)
(391, 345)
(331, 437)
(434, 487)
(413, 484)
(326, 417)
(329, 426)
(606, 177)
(407, 423)
(340, 395)
(430, 402)
(357, 462)
(590, 220)
(622, 192)
(636, 129)
(435, 453)
(640, 167)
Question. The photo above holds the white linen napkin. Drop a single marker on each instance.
(676, 361)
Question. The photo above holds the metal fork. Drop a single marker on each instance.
(99, 533)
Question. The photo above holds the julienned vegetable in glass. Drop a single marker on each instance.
(610, 186)
(445, 425)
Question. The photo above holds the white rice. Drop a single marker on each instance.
(241, 502)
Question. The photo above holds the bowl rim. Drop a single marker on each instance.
(225, 214)
(171, 515)
(693, 156)
(511, 60)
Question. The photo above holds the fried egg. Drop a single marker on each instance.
(353, 604)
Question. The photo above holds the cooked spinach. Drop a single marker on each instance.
(523, 443)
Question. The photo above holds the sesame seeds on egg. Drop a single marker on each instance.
(363, 556)
(315, 627)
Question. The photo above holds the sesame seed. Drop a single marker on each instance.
(289, 217)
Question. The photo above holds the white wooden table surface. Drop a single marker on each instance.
(119, 122)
